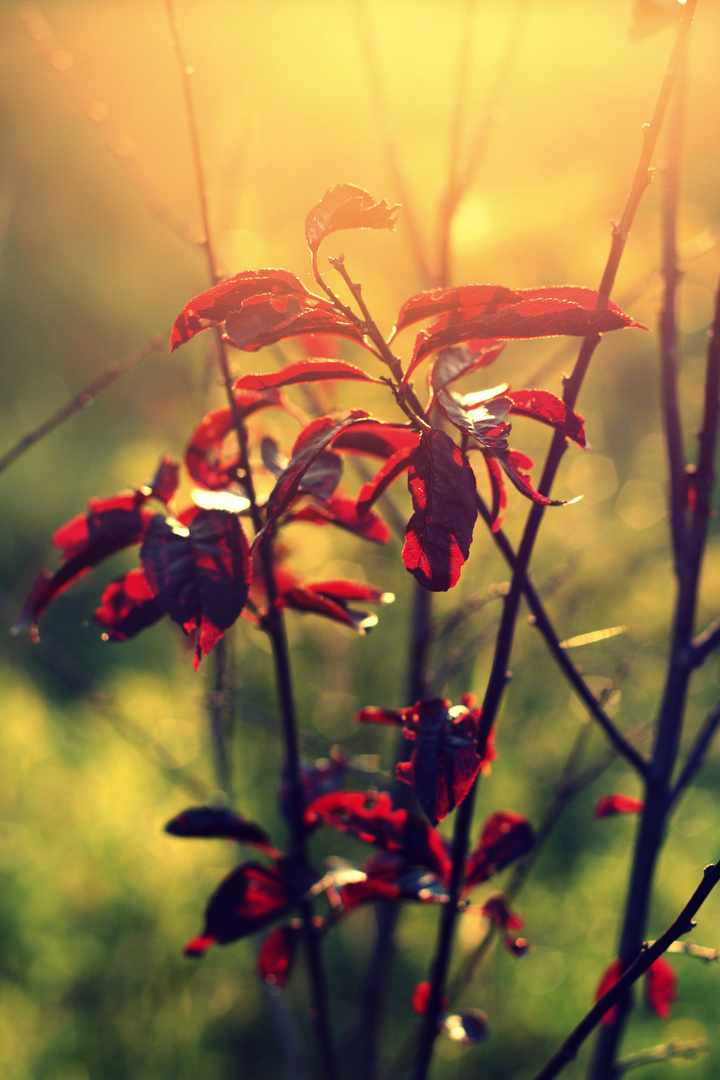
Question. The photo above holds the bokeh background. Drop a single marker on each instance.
(101, 744)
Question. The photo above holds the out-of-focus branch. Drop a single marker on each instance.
(83, 398)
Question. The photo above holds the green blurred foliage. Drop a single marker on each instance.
(96, 901)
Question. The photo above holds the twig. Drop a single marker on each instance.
(83, 398)
(705, 644)
(668, 325)
(273, 623)
(696, 755)
(98, 114)
(690, 1049)
(647, 956)
(389, 142)
(498, 674)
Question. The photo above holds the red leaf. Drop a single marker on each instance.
(109, 526)
(539, 313)
(660, 987)
(608, 805)
(439, 533)
(347, 207)
(512, 461)
(497, 487)
(371, 817)
(435, 302)
(445, 760)
(310, 443)
(548, 409)
(393, 467)
(127, 607)
(277, 953)
(215, 822)
(376, 439)
(496, 909)
(317, 778)
(214, 305)
(304, 371)
(343, 512)
(212, 456)
(460, 360)
(607, 982)
(505, 838)
(368, 891)
(251, 897)
(326, 345)
(199, 574)
(421, 998)
(165, 482)
(265, 320)
(322, 602)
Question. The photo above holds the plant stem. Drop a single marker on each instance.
(273, 623)
(643, 960)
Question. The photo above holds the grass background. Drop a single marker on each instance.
(96, 901)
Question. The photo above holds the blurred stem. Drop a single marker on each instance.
(273, 623)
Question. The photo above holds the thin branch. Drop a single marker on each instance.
(389, 142)
(668, 324)
(705, 644)
(273, 622)
(647, 957)
(666, 1051)
(696, 755)
(83, 398)
(98, 114)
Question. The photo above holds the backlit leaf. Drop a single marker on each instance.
(548, 409)
(277, 953)
(505, 837)
(215, 304)
(660, 987)
(371, 817)
(343, 512)
(608, 805)
(127, 607)
(393, 467)
(265, 320)
(439, 533)
(433, 303)
(347, 207)
(212, 456)
(199, 573)
(304, 371)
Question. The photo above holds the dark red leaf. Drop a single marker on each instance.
(393, 467)
(608, 805)
(304, 371)
(505, 838)
(320, 479)
(439, 533)
(249, 898)
(347, 207)
(495, 908)
(548, 409)
(445, 761)
(216, 822)
(199, 574)
(343, 512)
(371, 817)
(372, 715)
(368, 891)
(265, 320)
(421, 998)
(607, 982)
(127, 607)
(330, 599)
(376, 439)
(212, 456)
(436, 302)
(316, 437)
(660, 987)
(165, 482)
(214, 305)
(512, 462)
(109, 526)
(277, 953)
(539, 313)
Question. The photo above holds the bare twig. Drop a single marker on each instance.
(645, 959)
(83, 398)
(98, 114)
(389, 142)
(690, 1049)
(705, 644)
(696, 755)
